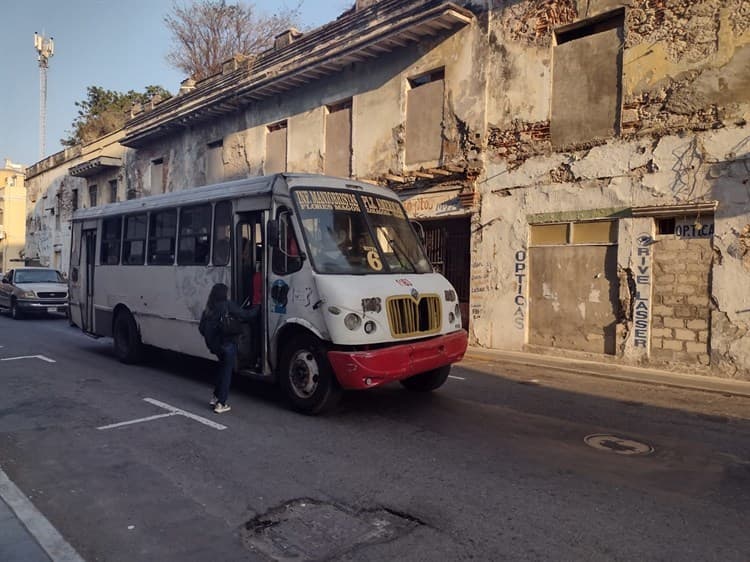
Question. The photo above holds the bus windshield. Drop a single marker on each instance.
(355, 234)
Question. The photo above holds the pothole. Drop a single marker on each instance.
(306, 529)
(617, 444)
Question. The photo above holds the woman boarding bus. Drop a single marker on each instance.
(349, 299)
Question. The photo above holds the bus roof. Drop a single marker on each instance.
(262, 185)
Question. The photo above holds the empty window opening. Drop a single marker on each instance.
(113, 191)
(665, 227)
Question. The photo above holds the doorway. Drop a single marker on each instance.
(448, 248)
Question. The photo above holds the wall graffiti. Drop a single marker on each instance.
(643, 291)
(519, 316)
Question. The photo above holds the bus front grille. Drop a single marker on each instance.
(414, 317)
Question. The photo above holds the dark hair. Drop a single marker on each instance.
(219, 293)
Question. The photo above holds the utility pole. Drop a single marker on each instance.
(45, 49)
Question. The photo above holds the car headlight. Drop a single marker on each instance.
(28, 295)
(352, 321)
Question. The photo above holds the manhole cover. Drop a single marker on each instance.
(616, 444)
(312, 530)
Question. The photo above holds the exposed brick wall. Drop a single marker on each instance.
(681, 316)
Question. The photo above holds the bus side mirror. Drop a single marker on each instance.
(273, 233)
(420, 231)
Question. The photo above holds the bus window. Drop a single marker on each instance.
(134, 245)
(222, 232)
(286, 256)
(111, 234)
(195, 242)
(161, 237)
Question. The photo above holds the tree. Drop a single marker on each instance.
(104, 111)
(206, 33)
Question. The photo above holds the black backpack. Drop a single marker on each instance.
(210, 329)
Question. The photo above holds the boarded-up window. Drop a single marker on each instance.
(586, 89)
(157, 180)
(338, 160)
(214, 162)
(276, 148)
(424, 118)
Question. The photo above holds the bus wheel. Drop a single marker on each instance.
(128, 346)
(15, 312)
(426, 382)
(307, 377)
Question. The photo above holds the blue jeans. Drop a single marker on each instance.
(227, 359)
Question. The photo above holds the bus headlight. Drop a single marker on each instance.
(352, 321)
(370, 327)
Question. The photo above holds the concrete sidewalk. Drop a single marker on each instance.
(614, 371)
(25, 534)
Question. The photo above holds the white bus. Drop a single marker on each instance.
(348, 297)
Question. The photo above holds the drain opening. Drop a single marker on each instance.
(617, 444)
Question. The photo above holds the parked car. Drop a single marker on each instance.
(30, 290)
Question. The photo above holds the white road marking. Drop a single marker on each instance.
(172, 412)
(139, 420)
(457, 378)
(185, 413)
(45, 534)
(41, 357)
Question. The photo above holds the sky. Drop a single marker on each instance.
(116, 44)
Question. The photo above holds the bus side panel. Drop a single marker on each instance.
(166, 301)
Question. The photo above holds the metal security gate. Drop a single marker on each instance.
(448, 248)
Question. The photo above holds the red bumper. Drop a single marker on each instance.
(366, 369)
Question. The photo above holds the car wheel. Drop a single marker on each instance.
(15, 312)
(429, 381)
(127, 340)
(307, 377)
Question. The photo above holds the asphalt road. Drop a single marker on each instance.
(493, 466)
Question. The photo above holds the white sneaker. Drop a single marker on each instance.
(213, 401)
(221, 408)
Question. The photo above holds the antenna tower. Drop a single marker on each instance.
(45, 48)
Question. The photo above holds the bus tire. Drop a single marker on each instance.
(307, 377)
(15, 312)
(429, 381)
(127, 340)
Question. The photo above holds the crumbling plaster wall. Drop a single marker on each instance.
(378, 89)
(684, 139)
(50, 188)
(50, 194)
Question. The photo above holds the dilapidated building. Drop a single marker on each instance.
(580, 168)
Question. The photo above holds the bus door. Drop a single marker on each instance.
(249, 287)
(86, 293)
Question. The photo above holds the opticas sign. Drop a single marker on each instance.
(694, 228)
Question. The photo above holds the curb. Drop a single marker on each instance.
(725, 387)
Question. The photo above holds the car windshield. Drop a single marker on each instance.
(354, 234)
(37, 276)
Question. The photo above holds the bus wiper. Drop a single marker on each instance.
(401, 251)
